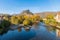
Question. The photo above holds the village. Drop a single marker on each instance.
(28, 19)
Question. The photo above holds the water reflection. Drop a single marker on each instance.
(3, 31)
(15, 35)
(19, 29)
(27, 28)
(41, 33)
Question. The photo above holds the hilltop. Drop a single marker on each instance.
(42, 14)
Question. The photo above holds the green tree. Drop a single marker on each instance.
(5, 24)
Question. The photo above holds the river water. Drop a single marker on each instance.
(36, 33)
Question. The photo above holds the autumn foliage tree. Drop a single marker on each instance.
(50, 21)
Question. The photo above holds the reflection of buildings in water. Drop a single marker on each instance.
(58, 32)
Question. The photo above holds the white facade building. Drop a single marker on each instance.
(58, 17)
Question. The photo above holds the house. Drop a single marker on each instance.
(58, 17)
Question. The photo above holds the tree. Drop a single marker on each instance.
(36, 18)
(14, 20)
(21, 19)
(26, 16)
(50, 21)
(27, 22)
(50, 16)
(5, 24)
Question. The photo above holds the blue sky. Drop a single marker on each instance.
(17, 6)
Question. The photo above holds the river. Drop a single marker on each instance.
(36, 33)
